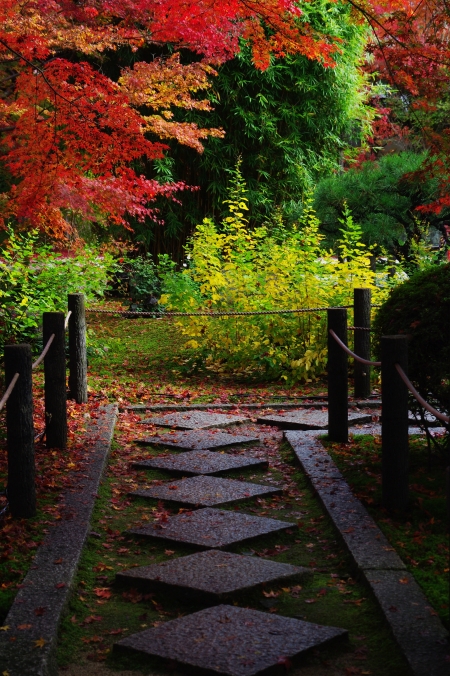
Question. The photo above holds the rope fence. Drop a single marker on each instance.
(9, 389)
(352, 354)
(41, 357)
(437, 414)
(229, 313)
(20, 435)
(394, 402)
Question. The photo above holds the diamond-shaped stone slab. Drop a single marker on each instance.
(213, 573)
(201, 462)
(196, 420)
(308, 420)
(196, 441)
(206, 491)
(230, 641)
(211, 528)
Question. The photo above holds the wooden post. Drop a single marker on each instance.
(448, 527)
(337, 377)
(55, 381)
(361, 307)
(20, 433)
(77, 349)
(394, 423)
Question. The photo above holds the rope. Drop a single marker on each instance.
(44, 352)
(9, 389)
(232, 313)
(421, 400)
(352, 354)
(67, 319)
(358, 328)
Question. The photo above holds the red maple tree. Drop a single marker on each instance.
(411, 52)
(75, 140)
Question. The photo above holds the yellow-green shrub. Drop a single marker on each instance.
(239, 269)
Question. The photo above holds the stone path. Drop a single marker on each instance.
(196, 420)
(309, 419)
(201, 462)
(212, 528)
(231, 640)
(225, 639)
(214, 573)
(190, 441)
(207, 491)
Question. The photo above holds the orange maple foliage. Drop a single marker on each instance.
(77, 141)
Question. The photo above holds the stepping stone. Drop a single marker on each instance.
(206, 491)
(202, 440)
(196, 420)
(213, 574)
(212, 528)
(201, 462)
(308, 420)
(230, 641)
(369, 403)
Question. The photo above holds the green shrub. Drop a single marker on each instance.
(382, 197)
(137, 278)
(420, 309)
(234, 267)
(35, 279)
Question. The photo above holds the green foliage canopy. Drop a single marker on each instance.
(382, 198)
(288, 124)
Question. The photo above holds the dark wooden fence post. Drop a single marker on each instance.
(20, 433)
(77, 349)
(361, 307)
(394, 423)
(55, 381)
(337, 377)
(448, 527)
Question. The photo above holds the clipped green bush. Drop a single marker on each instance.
(420, 309)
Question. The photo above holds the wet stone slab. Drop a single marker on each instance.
(196, 441)
(206, 491)
(211, 528)
(214, 574)
(309, 419)
(415, 625)
(230, 641)
(195, 420)
(365, 542)
(201, 462)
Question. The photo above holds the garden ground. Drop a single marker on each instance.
(134, 364)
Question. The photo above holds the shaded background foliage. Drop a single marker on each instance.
(289, 125)
(383, 196)
(420, 309)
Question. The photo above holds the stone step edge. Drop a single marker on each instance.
(276, 406)
(422, 639)
(48, 585)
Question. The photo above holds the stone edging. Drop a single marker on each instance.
(420, 635)
(229, 407)
(48, 583)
